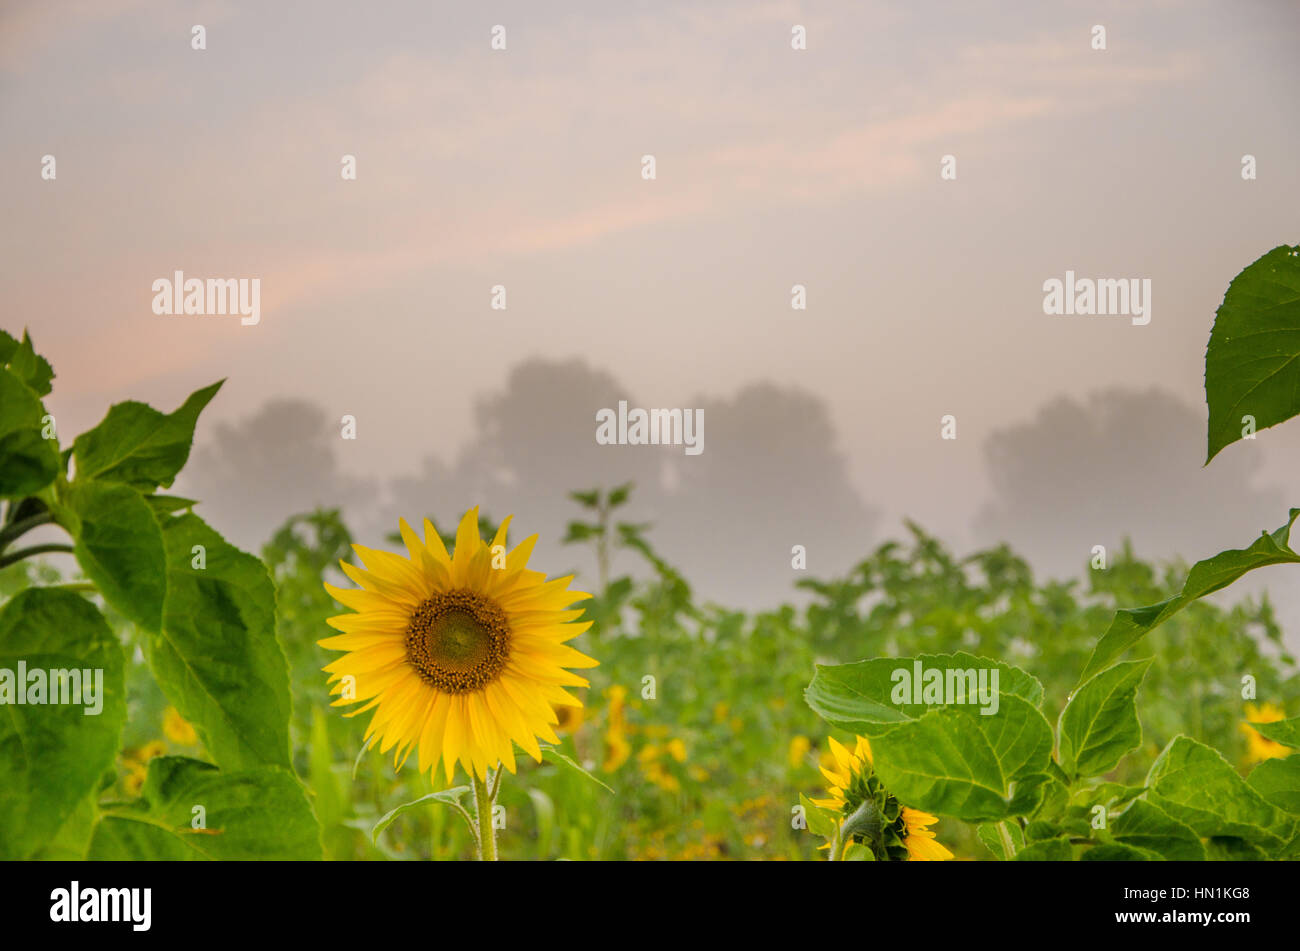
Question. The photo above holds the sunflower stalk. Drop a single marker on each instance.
(484, 797)
(865, 822)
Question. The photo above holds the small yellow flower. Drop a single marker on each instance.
(570, 719)
(617, 751)
(799, 747)
(677, 749)
(1260, 748)
(177, 729)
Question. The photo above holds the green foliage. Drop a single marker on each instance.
(53, 755)
(217, 657)
(1251, 366)
(1206, 577)
(1194, 784)
(192, 810)
(1286, 732)
(1100, 722)
(204, 614)
(139, 446)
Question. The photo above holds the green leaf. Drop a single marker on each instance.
(1048, 850)
(138, 445)
(72, 841)
(217, 657)
(1110, 795)
(619, 495)
(448, 797)
(1225, 848)
(259, 813)
(988, 834)
(1252, 363)
(53, 754)
(169, 504)
(119, 546)
(957, 762)
(1286, 732)
(26, 364)
(1145, 826)
(821, 821)
(1195, 785)
(1278, 781)
(1130, 625)
(859, 697)
(28, 461)
(555, 756)
(1100, 723)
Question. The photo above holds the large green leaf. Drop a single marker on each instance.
(1130, 625)
(1252, 363)
(1145, 826)
(138, 445)
(119, 546)
(957, 762)
(217, 657)
(859, 697)
(1100, 723)
(1278, 781)
(28, 461)
(52, 755)
(990, 833)
(259, 813)
(1195, 785)
(1286, 732)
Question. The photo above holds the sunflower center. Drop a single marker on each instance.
(458, 641)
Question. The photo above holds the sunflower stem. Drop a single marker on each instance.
(1008, 847)
(487, 834)
(11, 533)
(15, 557)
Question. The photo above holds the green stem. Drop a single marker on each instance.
(12, 532)
(22, 553)
(1008, 847)
(487, 835)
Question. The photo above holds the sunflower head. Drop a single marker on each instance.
(462, 655)
(893, 832)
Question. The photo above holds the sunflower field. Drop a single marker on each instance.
(174, 697)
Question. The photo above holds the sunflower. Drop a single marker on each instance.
(904, 832)
(460, 656)
(1260, 748)
(177, 729)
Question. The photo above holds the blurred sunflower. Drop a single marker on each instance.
(904, 832)
(460, 655)
(1260, 748)
(177, 729)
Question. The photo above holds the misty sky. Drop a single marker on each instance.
(774, 167)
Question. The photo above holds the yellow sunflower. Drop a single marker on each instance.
(1258, 747)
(904, 831)
(177, 729)
(460, 656)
